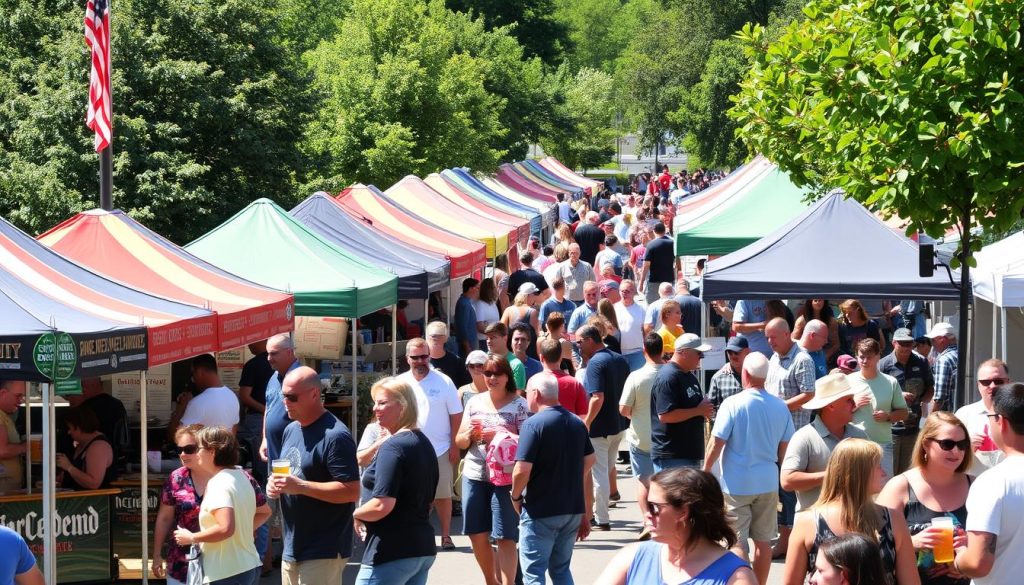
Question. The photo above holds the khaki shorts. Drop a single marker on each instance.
(313, 572)
(754, 516)
(445, 477)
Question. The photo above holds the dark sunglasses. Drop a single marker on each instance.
(290, 397)
(417, 358)
(993, 382)
(948, 444)
(493, 373)
(187, 449)
(654, 508)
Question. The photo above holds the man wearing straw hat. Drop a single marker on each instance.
(803, 468)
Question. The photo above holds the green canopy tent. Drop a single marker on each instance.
(264, 244)
(756, 210)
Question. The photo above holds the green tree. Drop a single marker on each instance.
(531, 22)
(587, 139)
(912, 107)
(599, 30)
(404, 90)
(207, 113)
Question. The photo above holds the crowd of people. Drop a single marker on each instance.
(825, 438)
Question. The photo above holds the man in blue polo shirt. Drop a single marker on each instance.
(605, 379)
(554, 454)
(465, 316)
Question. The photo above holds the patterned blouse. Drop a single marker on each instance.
(180, 493)
(510, 418)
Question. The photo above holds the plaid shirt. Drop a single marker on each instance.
(944, 372)
(788, 376)
(724, 383)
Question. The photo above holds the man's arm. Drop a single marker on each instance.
(801, 481)
(714, 451)
(593, 407)
(797, 402)
(626, 411)
(520, 477)
(332, 492)
(453, 449)
(977, 559)
(245, 397)
(678, 415)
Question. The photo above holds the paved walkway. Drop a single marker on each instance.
(458, 567)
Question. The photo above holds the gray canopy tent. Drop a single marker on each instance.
(835, 249)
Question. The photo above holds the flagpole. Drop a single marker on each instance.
(100, 112)
(107, 178)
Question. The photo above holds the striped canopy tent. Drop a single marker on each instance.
(540, 180)
(556, 167)
(532, 167)
(369, 205)
(419, 273)
(117, 246)
(524, 220)
(548, 211)
(748, 211)
(417, 198)
(514, 180)
(694, 206)
(264, 244)
(541, 214)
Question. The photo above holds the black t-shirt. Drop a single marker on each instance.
(590, 238)
(520, 277)
(323, 451)
(692, 309)
(452, 366)
(661, 253)
(255, 374)
(555, 441)
(405, 469)
(673, 388)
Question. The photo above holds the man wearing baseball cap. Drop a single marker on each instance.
(944, 370)
(678, 408)
(915, 379)
(728, 380)
(803, 468)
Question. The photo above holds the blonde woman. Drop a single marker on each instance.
(853, 477)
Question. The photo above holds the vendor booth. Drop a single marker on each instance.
(535, 172)
(555, 167)
(998, 281)
(528, 220)
(471, 184)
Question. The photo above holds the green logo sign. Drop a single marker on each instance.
(56, 357)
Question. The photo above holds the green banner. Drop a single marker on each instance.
(82, 528)
(127, 521)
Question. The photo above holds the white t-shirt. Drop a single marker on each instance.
(437, 399)
(213, 407)
(631, 327)
(973, 416)
(487, 313)
(993, 505)
(229, 488)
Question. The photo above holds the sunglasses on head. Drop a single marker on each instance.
(187, 449)
(948, 444)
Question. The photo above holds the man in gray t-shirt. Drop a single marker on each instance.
(803, 468)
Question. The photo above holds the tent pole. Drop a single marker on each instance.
(995, 326)
(394, 340)
(1005, 354)
(144, 489)
(355, 379)
(49, 487)
(426, 312)
(28, 434)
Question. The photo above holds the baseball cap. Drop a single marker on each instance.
(737, 343)
(691, 341)
(941, 330)
(902, 334)
(828, 389)
(528, 288)
(608, 285)
(476, 357)
(847, 362)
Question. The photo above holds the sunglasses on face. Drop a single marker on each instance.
(993, 382)
(290, 397)
(654, 508)
(474, 366)
(418, 358)
(948, 444)
(492, 373)
(187, 449)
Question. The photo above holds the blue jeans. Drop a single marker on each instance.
(410, 571)
(788, 511)
(662, 464)
(545, 545)
(641, 462)
(249, 577)
(636, 360)
(261, 538)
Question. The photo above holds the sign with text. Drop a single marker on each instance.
(127, 521)
(126, 387)
(320, 337)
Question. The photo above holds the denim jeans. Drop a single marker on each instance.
(249, 577)
(410, 571)
(636, 360)
(788, 511)
(661, 464)
(545, 545)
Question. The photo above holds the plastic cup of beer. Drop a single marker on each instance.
(281, 467)
(943, 551)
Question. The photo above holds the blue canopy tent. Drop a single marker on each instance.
(463, 177)
(419, 272)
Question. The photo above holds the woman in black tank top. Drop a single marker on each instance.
(935, 486)
(91, 466)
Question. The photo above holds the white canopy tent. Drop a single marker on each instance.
(999, 295)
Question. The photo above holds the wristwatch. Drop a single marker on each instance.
(519, 499)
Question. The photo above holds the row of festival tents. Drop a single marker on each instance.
(102, 294)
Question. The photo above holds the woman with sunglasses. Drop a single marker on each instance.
(475, 362)
(179, 506)
(689, 536)
(846, 505)
(487, 508)
(935, 486)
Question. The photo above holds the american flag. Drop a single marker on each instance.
(97, 36)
